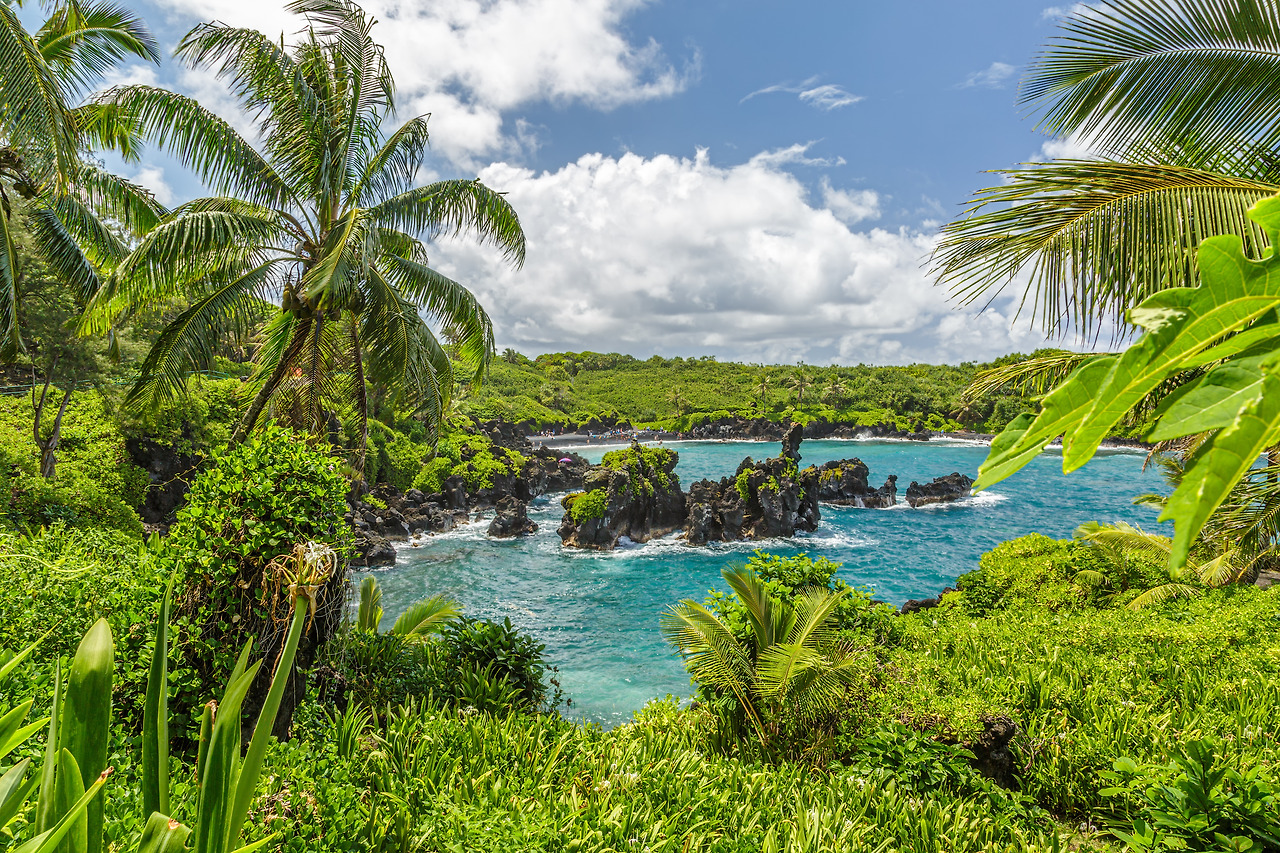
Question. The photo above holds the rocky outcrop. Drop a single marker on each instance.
(633, 493)
(845, 483)
(941, 490)
(763, 500)
(511, 519)
(763, 429)
(370, 549)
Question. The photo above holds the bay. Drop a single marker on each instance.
(598, 613)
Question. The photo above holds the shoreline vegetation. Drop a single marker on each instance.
(233, 403)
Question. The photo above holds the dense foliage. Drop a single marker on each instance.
(251, 506)
(572, 389)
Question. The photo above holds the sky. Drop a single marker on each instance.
(750, 180)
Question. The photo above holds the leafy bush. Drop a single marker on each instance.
(495, 651)
(786, 577)
(1194, 803)
(430, 478)
(97, 484)
(583, 506)
(252, 505)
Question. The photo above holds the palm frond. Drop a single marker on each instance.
(189, 342)
(35, 114)
(1163, 593)
(453, 306)
(1202, 72)
(448, 208)
(369, 613)
(81, 41)
(429, 616)
(1094, 238)
(201, 141)
(395, 165)
(1032, 377)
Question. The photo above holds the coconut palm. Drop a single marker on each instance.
(792, 667)
(1181, 100)
(44, 137)
(762, 386)
(678, 400)
(799, 383)
(323, 216)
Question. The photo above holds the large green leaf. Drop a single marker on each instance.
(86, 717)
(1212, 402)
(1024, 438)
(1221, 462)
(1182, 324)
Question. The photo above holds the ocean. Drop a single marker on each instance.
(598, 613)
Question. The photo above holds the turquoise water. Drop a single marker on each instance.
(597, 613)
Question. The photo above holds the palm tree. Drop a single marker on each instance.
(762, 386)
(677, 400)
(836, 390)
(800, 382)
(324, 217)
(1182, 101)
(44, 137)
(792, 666)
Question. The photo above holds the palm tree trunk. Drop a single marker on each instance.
(362, 401)
(268, 388)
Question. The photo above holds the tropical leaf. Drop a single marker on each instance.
(425, 617)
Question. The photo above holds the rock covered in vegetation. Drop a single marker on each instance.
(633, 493)
(952, 487)
(763, 500)
(511, 519)
(845, 483)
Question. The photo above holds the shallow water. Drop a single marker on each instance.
(597, 613)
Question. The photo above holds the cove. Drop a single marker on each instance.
(597, 613)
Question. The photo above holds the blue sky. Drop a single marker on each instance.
(752, 180)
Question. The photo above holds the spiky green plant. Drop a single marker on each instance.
(324, 217)
(793, 665)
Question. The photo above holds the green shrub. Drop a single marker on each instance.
(501, 653)
(252, 505)
(430, 478)
(582, 506)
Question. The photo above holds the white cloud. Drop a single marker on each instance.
(794, 155)
(469, 62)
(850, 206)
(826, 97)
(152, 177)
(1054, 13)
(994, 76)
(1073, 146)
(679, 255)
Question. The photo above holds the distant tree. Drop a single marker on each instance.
(762, 386)
(799, 383)
(836, 391)
(677, 399)
(510, 356)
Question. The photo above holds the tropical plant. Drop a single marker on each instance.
(1119, 543)
(325, 213)
(762, 386)
(792, 667)
(1181, 103)
(1228, 324)
(800, 382)
(43, 139)
(677, 400)
(422, 618)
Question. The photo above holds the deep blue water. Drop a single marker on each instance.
(598, 613)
